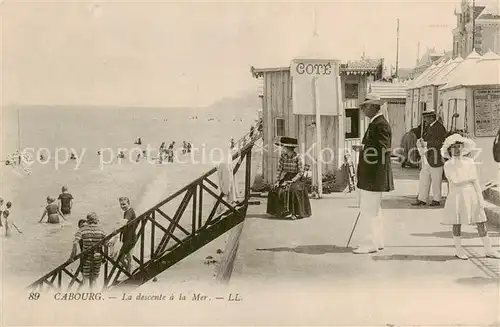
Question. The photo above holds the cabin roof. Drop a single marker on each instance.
(362, 66)
(388, 90)
(482, 71)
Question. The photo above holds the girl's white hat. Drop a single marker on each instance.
(469, 145)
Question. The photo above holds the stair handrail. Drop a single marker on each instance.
(257, 134)
(139, 218)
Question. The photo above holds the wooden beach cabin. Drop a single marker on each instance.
(394, 93)
(473, 91)
(420, 100)
(279, 118)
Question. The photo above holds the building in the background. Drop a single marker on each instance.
(472, 94)
(484, 16)
(430, 57)
(423, 92)
(404, 73)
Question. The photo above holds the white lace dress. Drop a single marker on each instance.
(463, 202)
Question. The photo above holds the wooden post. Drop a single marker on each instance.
(319, 161)
(341, 133)
(229, 255)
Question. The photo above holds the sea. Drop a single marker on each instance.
(96, 182)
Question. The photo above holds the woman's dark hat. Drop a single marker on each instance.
(287, 141)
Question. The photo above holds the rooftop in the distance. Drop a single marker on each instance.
(360, 66)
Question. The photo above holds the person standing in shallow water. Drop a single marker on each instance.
(289, 196)
(90, 234)
(66, 201)
(52, 211)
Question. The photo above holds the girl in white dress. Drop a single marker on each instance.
(465, 202)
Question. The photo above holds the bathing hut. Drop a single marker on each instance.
(420, 101)
(394, 93)
(286, 112)
(473, 92)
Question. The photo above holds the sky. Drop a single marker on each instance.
(124, 53)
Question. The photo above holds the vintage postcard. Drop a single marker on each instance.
(270, 163)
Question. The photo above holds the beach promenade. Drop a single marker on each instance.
(415, 280)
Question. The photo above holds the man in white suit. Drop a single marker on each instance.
(374, 174)
(431, 174)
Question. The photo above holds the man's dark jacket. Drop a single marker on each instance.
(374, 167)
(435, 136)
(496, 147)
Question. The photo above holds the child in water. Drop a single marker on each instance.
(465, 202)
(8, 222)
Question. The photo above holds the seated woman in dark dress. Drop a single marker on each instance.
(289, 196)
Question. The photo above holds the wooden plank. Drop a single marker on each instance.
(286, 110)
(310, 135)
(270, 129)
(229, 256)
(396, 113)
(248, 173)
(301, 137)
(274, 112)
(153, 227)
(289, 106)
(184, 250)
(178, 215)
(174, 222)
(279, 89)
(326, 143)
(265, 127)
(362, 91)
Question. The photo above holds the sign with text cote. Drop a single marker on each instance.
(327, 74)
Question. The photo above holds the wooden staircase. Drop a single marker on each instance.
(165, 239)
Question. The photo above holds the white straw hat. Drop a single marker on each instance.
(469, 145)
(373, 99)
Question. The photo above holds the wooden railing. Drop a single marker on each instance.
(182, 232)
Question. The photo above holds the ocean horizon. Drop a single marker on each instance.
(43, 247)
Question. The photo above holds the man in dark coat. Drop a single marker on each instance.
(431, 173)
(496, 147)
(411, 157)
(374, 173)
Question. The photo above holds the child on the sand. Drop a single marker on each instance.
(8, 221)
(465, 202)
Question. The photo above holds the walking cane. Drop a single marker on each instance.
(20, 232)
(353, 228)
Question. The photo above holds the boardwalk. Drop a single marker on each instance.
(411, 282)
